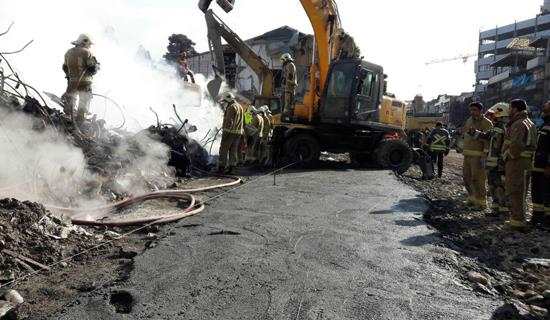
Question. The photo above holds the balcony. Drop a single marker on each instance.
(499, 77)
(534, 63)
(485, 74)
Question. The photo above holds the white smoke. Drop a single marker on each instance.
(45, 166)
(120, 41)
(39, 166)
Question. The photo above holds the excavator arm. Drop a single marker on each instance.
(325, 20)
(217, 30)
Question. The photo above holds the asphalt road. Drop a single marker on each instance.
(333, 244)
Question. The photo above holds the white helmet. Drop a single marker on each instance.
(227, 97)
(500, 110)
(83, 39)
(286, 57)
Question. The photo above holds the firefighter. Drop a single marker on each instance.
(183, 68)
(499, 115)
(290, 84)
(517, 153)
(264, 144)
(232, 133)
(474, 174)
(540, 184)
(255, 136)
(439, 141)
(79, 66)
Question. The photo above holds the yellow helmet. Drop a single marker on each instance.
(500, 110)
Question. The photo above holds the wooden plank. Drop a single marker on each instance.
(28, 260)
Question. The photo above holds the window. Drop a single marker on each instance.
(340, 83)
(367, 87)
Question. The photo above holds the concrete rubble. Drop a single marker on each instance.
(31, 238)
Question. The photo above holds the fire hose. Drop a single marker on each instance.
(80, 216)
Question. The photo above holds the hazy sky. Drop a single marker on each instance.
(400, 35)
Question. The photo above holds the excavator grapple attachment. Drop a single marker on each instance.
(226, 5)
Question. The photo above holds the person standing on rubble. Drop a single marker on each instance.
(474, 175)
(183, 68)
(232, 133)
(499, 115)
(439, 141)
(79, 66)
(540, 184)
(518, 150)
(290, 84)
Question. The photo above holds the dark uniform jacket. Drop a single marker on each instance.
(542, 155)
(439, 140)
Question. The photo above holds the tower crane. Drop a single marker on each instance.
(463, 57)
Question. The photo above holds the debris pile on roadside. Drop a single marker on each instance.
(32, 238)
(509, 263)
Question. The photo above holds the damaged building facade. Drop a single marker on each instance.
(270, 46)
(513, 61)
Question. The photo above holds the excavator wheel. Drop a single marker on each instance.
(395, 155)
(303, 149)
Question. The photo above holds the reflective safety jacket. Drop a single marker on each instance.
(233, 119)
(80, 65)
(495, 137)
(247, 117)
(473, 146)
(520, 139)
(439, 140)
(542, 154)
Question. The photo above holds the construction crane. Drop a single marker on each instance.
(340, 112)
(463, 57)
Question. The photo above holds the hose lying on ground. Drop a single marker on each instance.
(104, 214)
(78, 215)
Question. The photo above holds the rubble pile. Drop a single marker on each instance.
(111, 153)
(31, 238)
(513, 264)
(185, 153)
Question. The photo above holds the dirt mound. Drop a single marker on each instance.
(515, 264)
(31, 238)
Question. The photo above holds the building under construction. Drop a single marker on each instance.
(513, 61)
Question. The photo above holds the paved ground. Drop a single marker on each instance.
(334, 244)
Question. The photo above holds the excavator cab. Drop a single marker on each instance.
(353, 93)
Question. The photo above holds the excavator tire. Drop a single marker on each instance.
(395, 155)
(302, 149)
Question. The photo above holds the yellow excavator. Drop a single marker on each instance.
(340, 111)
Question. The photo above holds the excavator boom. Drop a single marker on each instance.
(325, 20)
(217, 30)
